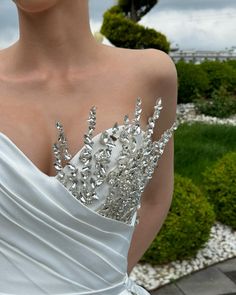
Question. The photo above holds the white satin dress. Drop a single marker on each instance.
(70, 234)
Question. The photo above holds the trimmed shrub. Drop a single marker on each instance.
(123, 32)
(220, 73)
(140, 8)
(219, 185)
(232, 63)
(186, 228)
(221, 104)
(192, 81)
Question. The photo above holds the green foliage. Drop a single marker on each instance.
(192, 81)
(220, 74)
(221, 104)
(220, 188)
(136, 9)
(186, 228)
(123, 32)
(116, 9)
(231, 62)
(210, 80)
(198, 145)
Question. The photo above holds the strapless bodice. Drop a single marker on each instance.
(70, 233)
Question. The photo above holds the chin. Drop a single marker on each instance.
(35, 5)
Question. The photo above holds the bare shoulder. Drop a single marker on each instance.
(155, 72)
(157, 62)
(153, 62)
(160, 69)
(160, 74)
(157, 68)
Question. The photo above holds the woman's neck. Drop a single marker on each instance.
(57, 39)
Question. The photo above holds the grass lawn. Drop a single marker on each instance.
(199, 145)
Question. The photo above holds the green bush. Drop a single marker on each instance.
(204, 80)
(221, 104)
(123, 32)
(192, 81)
(220, 74)
(186, 228)
(220, 188)
(232, 63)
(140, 8)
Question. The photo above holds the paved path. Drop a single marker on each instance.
(218, 279)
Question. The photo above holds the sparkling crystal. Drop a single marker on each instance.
(85, 156)
(59, 126)
(126, 119)
(104, 138)
(135, 163)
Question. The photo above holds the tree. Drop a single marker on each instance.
(136, 9)
(122, 31)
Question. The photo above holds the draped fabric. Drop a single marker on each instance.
(52, 244)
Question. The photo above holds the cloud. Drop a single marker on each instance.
(194, 5)
(97, 8)
(8, 23)
(212, 29)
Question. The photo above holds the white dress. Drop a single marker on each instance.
(70, 234)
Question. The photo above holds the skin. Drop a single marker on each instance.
(58, 71)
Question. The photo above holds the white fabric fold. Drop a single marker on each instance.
(50, 243)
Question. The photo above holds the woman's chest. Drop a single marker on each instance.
(29, 117)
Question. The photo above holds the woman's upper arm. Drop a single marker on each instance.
(164, 85)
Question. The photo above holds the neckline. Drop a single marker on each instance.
(94, 138)
(54, 179)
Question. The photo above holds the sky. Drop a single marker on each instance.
(187, 24)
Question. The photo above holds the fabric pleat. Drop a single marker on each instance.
(50, 243)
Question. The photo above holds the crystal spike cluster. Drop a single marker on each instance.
(135, 164)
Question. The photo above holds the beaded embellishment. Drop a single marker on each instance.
(134, 166)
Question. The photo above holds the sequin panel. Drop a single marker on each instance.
(135, 164)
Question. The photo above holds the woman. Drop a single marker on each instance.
(63, 231)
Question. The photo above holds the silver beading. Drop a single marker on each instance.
(135, 163)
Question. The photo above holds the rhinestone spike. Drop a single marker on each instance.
(126, 120)
(115, 128)
(136, 121)
(128, 179)
(92, 120)
(86, 159)
(60, 148)
(138, 110)
(152, 120)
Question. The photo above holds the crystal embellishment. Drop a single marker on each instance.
(134, 167)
